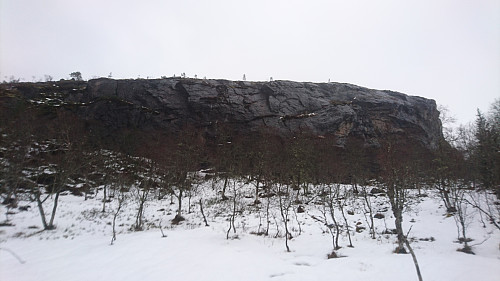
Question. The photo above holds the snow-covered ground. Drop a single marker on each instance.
(79, 248)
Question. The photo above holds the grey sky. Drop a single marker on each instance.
(447, 50)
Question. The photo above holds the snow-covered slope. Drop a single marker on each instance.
(79, 248)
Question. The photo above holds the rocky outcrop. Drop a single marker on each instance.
(286, 107)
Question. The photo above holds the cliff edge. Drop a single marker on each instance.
(285, 107)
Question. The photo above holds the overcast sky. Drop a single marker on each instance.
(447, 50)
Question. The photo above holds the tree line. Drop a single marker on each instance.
(47, 150)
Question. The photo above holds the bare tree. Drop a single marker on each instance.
(64, 153)
(331, 198)
(48, 78)
(121, 201)
(284, 199)
(342, 201)
(398, 176)
(232, 216)
(461, 217)
(183, 163)
(19, 144)
(141, 194)
(485, 204)
(327, 212)
(368, 209)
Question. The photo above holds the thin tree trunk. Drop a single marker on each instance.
(86, 188)
(396, 198)
(234, 207)
(399, 230)
(284, 216)
(138, 219)
(104, 199)
(40, 209)
(203, 214)
(257, 201)
(325, 221)
(332, 214)
(231, 218)
(369, 205)
(179, 201)
(337, 228)
(224, 197)
(189, 202)
(267, 216)
(414, 259)
(298, 222)
(142, 200)
(488, 214)
(346, 225)
(114, 220)
(53, 215)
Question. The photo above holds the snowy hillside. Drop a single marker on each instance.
(79, 248)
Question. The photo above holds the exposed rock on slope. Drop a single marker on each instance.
(342, 110)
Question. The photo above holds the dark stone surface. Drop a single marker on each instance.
(287, 107)
(376, 191)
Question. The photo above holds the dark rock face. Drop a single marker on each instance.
(341, 110)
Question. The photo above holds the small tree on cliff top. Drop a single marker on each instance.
(77, 75)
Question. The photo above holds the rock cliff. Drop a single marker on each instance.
(285, 107)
